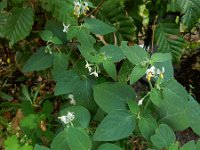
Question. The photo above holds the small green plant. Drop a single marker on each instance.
(91, 52)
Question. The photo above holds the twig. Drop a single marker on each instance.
(101, 38)
(153, 35)
(115, 39)
(94, 11)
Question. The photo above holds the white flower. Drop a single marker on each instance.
(80, 8)
(151, 72)
(161, 72)
(85, 8)
(77, 8)
(140, 101)
(66, 119)
(87, 65)
(154, 72)
(72, 100)
(95, 73)
(66, 27)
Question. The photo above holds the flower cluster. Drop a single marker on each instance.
(80, 8)
(67, 119)
(154, 72)
(91, 70)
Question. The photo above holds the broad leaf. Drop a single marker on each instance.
(147, 125)
(65, 82)
(98, 27)
(116, 125)
(83, 93)
(160, 57)
(176, 88)
(135, 54)
(78, 139)
(60, 141)
(193, 115)
(156, 97)
(112, 96)
(91, 54)
(109, 146)
(112, 52)
(18, 25)
(163, 137)
(109, 66)
(60, 63)
(38, 61)
(137, 72)
(125, 71)
(172, 109)
(169, 40)
(83, 36)
(189, 146)
(39, 147)
(57, 29)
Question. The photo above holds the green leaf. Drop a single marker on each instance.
(137, 72)
(60, 63)
(193, 115)
(57, 29)
(5, 96)
(65, 82)
(61, 10)
(198, 144)
(109, 66)
(109, 146)
(113, 52)
(190, 10)
(60, 141)
(177, 89)
(189, 146)
(160, 57)
(112, 96)
(83, 93)
(31, 121)
(172, 109)
(38, 61)
(169, 40)
(125, 71)
(133, 106)
(26, 147)
(39, 147)
(163, 137)
(147, 125)
(77, 139)
(12, 143)
(98, 27)
(46, 35)
(91, 54)
(3, 4)
(116, 13)
(116, 125)
(83, 36)
(174, 146)
(156, 97)
(135, 54)
(47, 107)
(82, 115)
(18, 25)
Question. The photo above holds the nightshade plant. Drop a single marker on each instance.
(92, 51)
